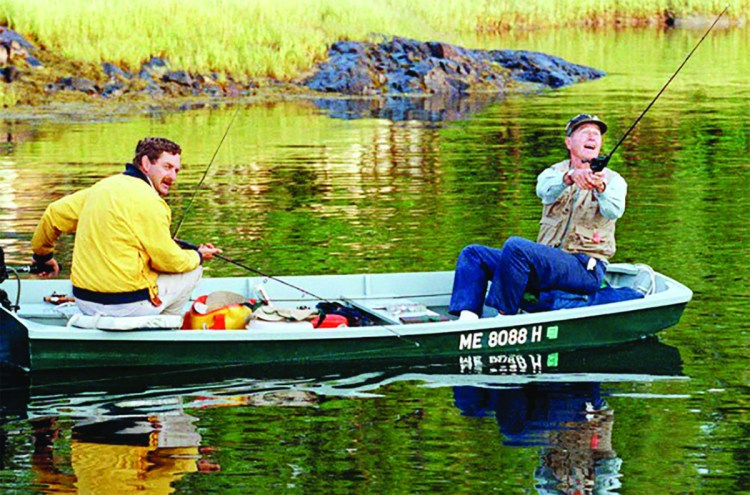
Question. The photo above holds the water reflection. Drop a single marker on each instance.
(124, 451)
(127, 433)
(431, 108)
(570, 421)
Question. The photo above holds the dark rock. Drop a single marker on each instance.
(33, 61)
(111, 90)
(10, 73)
(156, 67)
(212, 90)
(10, 36)
(13, 47)
(443, 50)
(153, 90)
(146, 76)
(401, 65)
(178, 76)
(348, 47)
(116, 73)
(74, 84)
(542, 68)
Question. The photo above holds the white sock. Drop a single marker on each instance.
(468, 315)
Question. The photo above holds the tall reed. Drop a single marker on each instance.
(282, 39)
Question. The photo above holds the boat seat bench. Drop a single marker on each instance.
(397, 311)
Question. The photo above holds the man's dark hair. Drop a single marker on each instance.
(153, 147)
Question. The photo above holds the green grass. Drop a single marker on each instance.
(8, 96)
(284, 38)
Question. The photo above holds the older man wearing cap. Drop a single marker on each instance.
(576, 236)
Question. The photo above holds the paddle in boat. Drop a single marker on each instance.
(345, 318)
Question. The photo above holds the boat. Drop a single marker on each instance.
(406, 314)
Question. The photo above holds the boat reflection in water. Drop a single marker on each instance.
(568, 417)
(129, 433)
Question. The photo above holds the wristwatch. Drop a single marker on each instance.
(568, 175)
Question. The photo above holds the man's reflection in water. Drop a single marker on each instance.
(570, 421)
(135, 446)
(119, 454)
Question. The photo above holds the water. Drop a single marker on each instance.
(294, 190)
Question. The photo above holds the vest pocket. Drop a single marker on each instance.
(549, 231)
(587, 239)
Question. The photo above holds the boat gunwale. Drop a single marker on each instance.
(675, 294)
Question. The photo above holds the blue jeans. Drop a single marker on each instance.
(520, 266)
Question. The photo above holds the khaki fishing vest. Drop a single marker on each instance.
(573, 222)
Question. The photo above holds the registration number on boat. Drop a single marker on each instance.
(502, 338)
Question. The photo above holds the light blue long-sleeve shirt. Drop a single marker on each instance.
(550, 186)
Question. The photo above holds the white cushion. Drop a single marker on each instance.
(125, 323)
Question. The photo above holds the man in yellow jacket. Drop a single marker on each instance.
(125, 262)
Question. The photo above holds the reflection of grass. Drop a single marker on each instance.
(8, 95)
(282, 39)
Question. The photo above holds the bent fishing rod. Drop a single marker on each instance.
(600, 162)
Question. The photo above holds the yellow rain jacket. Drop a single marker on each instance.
(122, 239)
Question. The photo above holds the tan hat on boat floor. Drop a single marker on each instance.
(222, 298)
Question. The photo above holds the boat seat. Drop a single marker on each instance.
(123, 324)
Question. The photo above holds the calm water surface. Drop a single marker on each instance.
(298, 190)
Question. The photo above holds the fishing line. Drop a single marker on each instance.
(205, 172)
(598, 163)
(189, 245)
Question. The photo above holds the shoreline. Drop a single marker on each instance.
(36, 81)
(393, 68)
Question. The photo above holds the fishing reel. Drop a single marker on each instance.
(599, 163)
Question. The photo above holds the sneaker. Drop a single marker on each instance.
(467, 315)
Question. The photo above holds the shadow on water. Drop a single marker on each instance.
(553, 401)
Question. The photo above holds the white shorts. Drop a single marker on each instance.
(174, 292)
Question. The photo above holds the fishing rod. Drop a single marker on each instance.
(205, 173)
(189, 245)
(600, 162)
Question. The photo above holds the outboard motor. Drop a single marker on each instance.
(14, 337)
(4, 301)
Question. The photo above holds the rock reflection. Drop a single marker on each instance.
(435, 108)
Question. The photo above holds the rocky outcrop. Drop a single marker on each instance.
(405, 66)
(396, 66)
(155, 77)
(15, 49)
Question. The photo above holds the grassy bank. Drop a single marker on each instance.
(282, 39)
